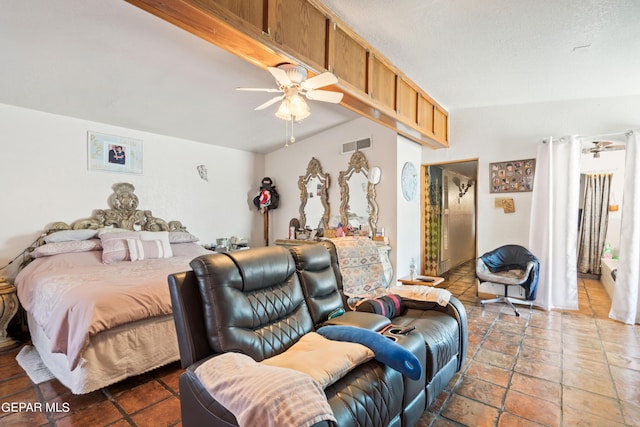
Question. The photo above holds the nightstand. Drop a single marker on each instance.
(8, 309)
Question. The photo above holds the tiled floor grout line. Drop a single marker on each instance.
(606, 356)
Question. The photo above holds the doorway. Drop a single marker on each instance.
(450, 215)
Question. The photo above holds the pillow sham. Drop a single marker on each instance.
(70, 235)
(116, 249)
(114, 246)
(56, 248)
(163, 236)
(146, 249)
(182, 237)
(106, 230)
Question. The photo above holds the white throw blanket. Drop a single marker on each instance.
(261, 395)
(422, 293)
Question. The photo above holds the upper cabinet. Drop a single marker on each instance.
(300, 29)
(269, 32)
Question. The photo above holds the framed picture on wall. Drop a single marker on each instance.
(515, 176)
(114, 153)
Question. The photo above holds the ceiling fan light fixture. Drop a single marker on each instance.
(294, 108)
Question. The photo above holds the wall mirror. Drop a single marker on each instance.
(314, 196)
(358, 205)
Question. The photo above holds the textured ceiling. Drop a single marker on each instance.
(469, 53)
(110, 62)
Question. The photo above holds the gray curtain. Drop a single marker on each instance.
(593, 222)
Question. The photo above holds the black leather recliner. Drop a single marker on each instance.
(444, 329)
(251, 302)
(261, 301)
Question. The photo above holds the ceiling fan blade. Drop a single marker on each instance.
(321, 80)
(280, 76)
(600, 144)
(614, 147)
(325, 96)
(269, 102)
(258, 89)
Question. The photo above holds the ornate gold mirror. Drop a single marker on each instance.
(358, 206)
(314, 196)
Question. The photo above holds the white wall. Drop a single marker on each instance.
(409, 233)
(286, 165)
(512, 132)
(44, 179)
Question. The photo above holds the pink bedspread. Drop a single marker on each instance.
(75, 296)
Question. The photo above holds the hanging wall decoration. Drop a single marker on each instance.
(514, 176)
(267, 199)
(113, 153)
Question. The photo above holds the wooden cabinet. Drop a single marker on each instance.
(269, 32)
(382, 88)
(300, 29)
(407, 101)
(440, 124)
(348, 60)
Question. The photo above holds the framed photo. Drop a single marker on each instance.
(515, 176)
(113, 153)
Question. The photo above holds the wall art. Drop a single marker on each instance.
(514, 176)
(113, 153)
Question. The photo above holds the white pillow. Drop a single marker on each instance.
(106, 230)
(324, 360)
(70, 235)
(182, 237)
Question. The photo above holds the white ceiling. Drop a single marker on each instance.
(110, 62)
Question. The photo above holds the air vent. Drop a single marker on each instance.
(357, 145)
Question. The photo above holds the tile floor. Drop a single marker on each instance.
(539, 369)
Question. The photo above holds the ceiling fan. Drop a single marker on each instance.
(600, 146)
(293, 84)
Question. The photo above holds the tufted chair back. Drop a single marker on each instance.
(253, 302)
(318, 280)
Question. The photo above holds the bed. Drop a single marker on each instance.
(96, 296)
(608, 269)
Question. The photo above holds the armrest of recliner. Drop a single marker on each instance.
(188, 316)
(360, 319)
(455, 309)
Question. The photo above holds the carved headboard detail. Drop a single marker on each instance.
(123, 214)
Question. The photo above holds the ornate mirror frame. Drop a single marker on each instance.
(314, 170)
(358, 164)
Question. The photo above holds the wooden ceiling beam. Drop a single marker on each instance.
(305, 32)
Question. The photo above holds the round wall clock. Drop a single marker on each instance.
(409, 180)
